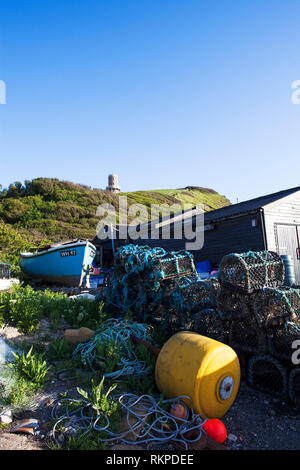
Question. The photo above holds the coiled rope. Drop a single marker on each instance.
(117, 332)
(146, 418)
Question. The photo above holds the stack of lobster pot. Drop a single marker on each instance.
(264, 317)
(193, 302)
(142, 279)
(277, 310)
(242, 276)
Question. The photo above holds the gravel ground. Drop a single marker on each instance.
(256, 421)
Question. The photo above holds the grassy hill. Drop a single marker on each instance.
(189, 196)
(46, 210)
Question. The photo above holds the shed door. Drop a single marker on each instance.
(288, 237)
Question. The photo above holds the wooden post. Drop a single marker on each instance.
(152, 348)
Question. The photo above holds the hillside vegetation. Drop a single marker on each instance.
(48, 210)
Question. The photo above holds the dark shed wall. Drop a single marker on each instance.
(168, 245)
(234, 235)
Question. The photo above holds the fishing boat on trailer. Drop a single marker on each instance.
(62, 263)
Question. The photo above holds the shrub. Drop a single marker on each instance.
(24, 307)
(16, 392)
(32, 366)
(13, 242)
(59, 349)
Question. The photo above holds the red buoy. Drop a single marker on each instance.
(215, 429)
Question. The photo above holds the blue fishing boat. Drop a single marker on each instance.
(64, 263)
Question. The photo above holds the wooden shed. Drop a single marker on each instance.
(270, 222)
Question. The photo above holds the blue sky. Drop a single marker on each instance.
(165, 93)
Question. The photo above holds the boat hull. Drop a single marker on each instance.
(62, 264)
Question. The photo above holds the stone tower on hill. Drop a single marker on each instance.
(113, 185)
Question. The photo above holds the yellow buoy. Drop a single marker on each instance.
(201, 368)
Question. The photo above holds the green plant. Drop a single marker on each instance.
(129, 316)
(89, 441)
(13, 241)
(59, 349)
(99, 399)
(38, 348)
(140, 385)
(144, 384)
(2, 307)
(108, 355)
(96, 405)
(24, 307)
(159, 337)
(145, 355)
(46, 337)
(32, 366)
(15, 391)
(102, 313)
(4, 426)
(23, 310)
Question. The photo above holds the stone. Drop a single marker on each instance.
(132, 421)
(69, 428)
(46, 426)
(24, 430)
(6, 351)
(80, 335)
(26, 426)
(123, 427)
(6, 417)
(232, 438)
(236, 446)
(49, 402)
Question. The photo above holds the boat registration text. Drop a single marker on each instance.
(68, 253)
